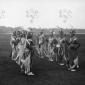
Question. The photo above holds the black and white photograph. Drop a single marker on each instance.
(42, 42)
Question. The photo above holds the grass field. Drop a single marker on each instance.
(47, 73)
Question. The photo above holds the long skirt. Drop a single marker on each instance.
(20, 53)
(73, 58)
(25, 63)
(60, 56)
(14, 53)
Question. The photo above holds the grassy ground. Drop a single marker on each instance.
(47, 73)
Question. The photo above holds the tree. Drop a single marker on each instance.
(2, 14)
(32, 14)
(65, 15)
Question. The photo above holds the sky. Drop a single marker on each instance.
(42, 13)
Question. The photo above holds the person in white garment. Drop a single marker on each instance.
(15, 38)
(25, 54)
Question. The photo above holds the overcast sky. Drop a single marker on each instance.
(42, 13)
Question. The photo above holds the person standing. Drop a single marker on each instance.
(73, 51)
(41, 44)
(60, 46)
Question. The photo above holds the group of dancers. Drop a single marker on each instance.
(59, 47)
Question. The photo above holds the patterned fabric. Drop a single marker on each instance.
(57, 48)
(73, 52)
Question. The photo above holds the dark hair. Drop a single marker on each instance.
(29, 35)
